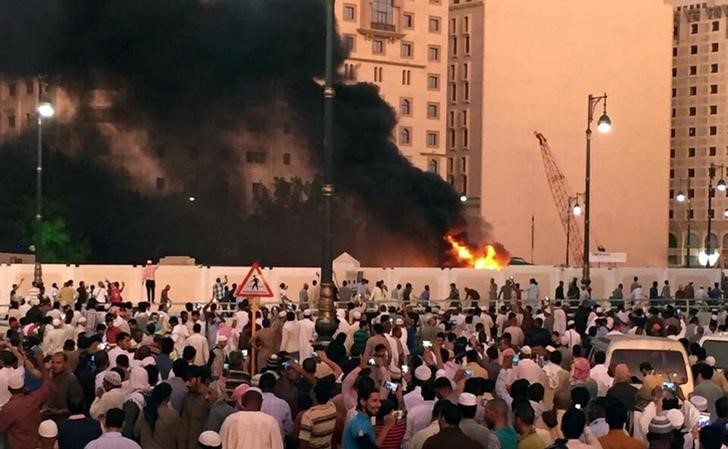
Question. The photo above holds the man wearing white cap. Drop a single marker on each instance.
(209, 440)
(54, 337)
(419, 416)
(20, 417)
(113, 396)
(468, 404)
(422, 374)
(290, 335)
(48, 433)
(306, 335)
(528, 369)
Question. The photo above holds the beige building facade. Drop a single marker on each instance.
(699, 132)
(401, 46)
(530, 67)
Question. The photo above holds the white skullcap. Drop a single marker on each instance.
(526, 350)
(550, 348)
(210, 438)
(82, 319)
(710, 360)
(700, 403)
(282, 314)
(441, 373)
(467, 400)
(48, 429)
(677, 419)
(599, 310)
(307, 312)
(113, 378)
(222, 338)
(423, 373)
(356, 315)
(16, 381)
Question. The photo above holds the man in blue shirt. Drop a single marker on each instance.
(359, 432)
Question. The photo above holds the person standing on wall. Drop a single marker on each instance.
(148, 279)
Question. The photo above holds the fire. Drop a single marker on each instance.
(487, 258)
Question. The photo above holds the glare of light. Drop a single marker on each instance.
(463, 198)
(707, 259)
(191, 199)
(680, 197)
(725, 213)
(45, 108)
(576, 210)
(721, 185)
(604, 125)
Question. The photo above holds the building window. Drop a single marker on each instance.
(378, 47)
(432, 166)
(672, 132)
(674, 72)
(258, 189)
(691, 172)
(29, 87)
(716, 25)
(674, 92)
(713, 130)
(690, 215)
(453, 25)
(672, 153)
(286, 158)
(674, 113)
(466, 43)
(691, 152)
(433, 81)
(349, 42)
(451, 180)
(405, 136)
(713, 88)
(693, 49)
(671, 215)
(714, 47)
(674, 51)
(406, 77)
(451, 118)
(12, 89)
(713, 68)
(434, 25)
(694, 28)
(453, 92)
(433, 53)
(349, 73)
(466, 71)
(408, 21)
(466, 24)
(453, 45)
(693, 70)
(693, 90)
(160, 184)
(405, 107)
(464, 118)
(692, 110)
(11, 121)
(691, 132)
(432, 138)
(433, 110)
(382, 14)
(349, 12)
(451, 73)
(406, 50)
(466, 91)
(255, 157)
(672, 173)
(450, 165)
(451, 137)
(713, 109)
(378, 74)
(466, 140)
(712, 151)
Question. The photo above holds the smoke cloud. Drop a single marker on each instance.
(190, 73)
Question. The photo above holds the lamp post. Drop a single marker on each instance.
(604, 125)
(682, 197)
(575, 209)
(45, 111)
(721, 186)
(325, 324)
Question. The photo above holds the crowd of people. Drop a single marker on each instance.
(83, 368)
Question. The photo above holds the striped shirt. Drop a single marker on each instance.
(148, 272)
(317, 426)
(394, 437)
(233, 379)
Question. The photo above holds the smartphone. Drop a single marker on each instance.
(703, 419)
(314, 354)
(391, 386)
(245, 352)
(577, 406)
(468, 373)
(426, 344)
(103, 346)
(399, 414)
(372, 362)
(516, 359)
(286, 365)
(669, 386)
(405, 369)
(226, 366)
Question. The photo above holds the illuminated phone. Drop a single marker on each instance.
(372, 362)
(468, 373)
(426, 344)
(245, 352)
(391, 386)
(405, 369)
(516, 359)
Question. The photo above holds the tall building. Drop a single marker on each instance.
(519, 66)
(18, 103)
(699, 132)
(401, 46)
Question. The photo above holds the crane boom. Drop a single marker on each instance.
(560, 192)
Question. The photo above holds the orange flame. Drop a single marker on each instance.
(485, 259)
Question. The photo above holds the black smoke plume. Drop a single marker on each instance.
(188, 71)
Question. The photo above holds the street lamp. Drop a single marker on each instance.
(575, 209)
(45, 110)
(604, 125)
(721, 186)
(463, 199)
(325, 324)
(681, 197)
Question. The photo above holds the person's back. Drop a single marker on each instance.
(112, 438)
(250, 428)
(708, 389)
(77, 430)
(617, 438)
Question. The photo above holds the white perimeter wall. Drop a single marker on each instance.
(191, 283)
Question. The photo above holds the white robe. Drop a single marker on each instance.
(306, 337)
(248, 430)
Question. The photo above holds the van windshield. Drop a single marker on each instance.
(669, 364)
(719, 350)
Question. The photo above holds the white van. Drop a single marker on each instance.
(717, 346)
(668, 358)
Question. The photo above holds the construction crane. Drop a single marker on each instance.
(560, 191)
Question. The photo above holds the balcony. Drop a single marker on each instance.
(382, 26)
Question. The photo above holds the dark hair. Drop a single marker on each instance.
(69, 345)
(189, 353)
(323, 390)
(267, 382)
(616, 413)
(525, 413)
(580, 395)
(536, 392)
(179, 368)
(114, 418)
(572, 423)
(196, 328)
(166, 345)
(492, 352)
(152, 374)
(519, 389)
(364, 393)
(711, 437)
(160, 393)
(76, 406)
(706, 372)
(121, 336)
(721, 407)
(556, 357)
(600, 357)
(451, 414)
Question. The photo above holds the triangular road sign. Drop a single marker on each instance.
(254, 285)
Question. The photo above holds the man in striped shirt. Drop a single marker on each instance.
(148, 279)
(319, 422)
